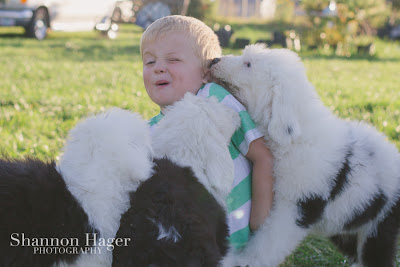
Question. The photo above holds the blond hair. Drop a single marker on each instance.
(204, 40)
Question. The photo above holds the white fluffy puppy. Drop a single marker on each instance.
(196, 132)
(105, 158)
(178, 216)
(337, 178)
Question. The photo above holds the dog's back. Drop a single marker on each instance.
(173, 221)
(35, 203)
(104, 159)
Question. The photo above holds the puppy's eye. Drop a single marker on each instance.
(248, 64)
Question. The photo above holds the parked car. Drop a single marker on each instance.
(37, 16)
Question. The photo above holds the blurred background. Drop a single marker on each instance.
(61, 60)
(346, 26)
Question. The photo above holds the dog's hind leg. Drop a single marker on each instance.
(380, 249)
(347, 244)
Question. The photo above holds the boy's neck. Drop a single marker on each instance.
(162, 108)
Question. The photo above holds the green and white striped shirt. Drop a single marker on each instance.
(239, 200)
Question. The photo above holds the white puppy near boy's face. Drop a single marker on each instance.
(262, 79)
(195, 132)
(334, 177)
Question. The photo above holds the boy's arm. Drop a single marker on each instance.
(262, 182)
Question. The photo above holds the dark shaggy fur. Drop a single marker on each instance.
(35, 201)
(172, 197)
(378, 250)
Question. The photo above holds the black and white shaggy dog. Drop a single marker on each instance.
(332, 177)
(173, 221)
(178, 216)
(68, 215)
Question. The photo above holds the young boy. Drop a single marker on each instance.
(176, 52)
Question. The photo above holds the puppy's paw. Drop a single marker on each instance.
(228, 261)
(234, 260)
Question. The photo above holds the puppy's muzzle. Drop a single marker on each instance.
(214, 61)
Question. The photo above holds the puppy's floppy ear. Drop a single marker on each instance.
(283, 127)
(219, 167)
(226, 120)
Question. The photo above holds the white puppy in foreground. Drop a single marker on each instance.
(178, 216)
(196, 133)
(165, 208)
(332, 177)
(69, 214)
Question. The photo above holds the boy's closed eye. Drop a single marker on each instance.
(174, 60)
(151, 62)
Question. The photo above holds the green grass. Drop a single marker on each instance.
(46, 87)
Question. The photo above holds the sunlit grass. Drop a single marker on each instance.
(47, 86)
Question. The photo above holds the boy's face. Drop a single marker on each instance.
(170, 69)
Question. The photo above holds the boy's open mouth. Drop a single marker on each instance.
(162, 83)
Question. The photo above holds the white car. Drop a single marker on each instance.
(37, 16)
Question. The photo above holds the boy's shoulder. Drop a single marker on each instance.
(217, 87)
(213, 89)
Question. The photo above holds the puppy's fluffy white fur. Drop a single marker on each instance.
(342, 170)
(196, 132)
(106, 157)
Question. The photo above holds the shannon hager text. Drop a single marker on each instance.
(91, 240)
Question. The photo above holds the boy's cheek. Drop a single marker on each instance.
(145, 71)
(146, 77)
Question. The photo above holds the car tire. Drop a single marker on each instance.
(39, 24)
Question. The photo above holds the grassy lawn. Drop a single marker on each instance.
(46, 87)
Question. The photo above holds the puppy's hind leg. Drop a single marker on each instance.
(275, 240)
(380, 249)
(347, 244)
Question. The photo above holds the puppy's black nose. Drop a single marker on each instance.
(215, 61)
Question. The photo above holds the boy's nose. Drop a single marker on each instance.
(160, 69)
(215, 61)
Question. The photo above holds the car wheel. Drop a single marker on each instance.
(39, 24)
